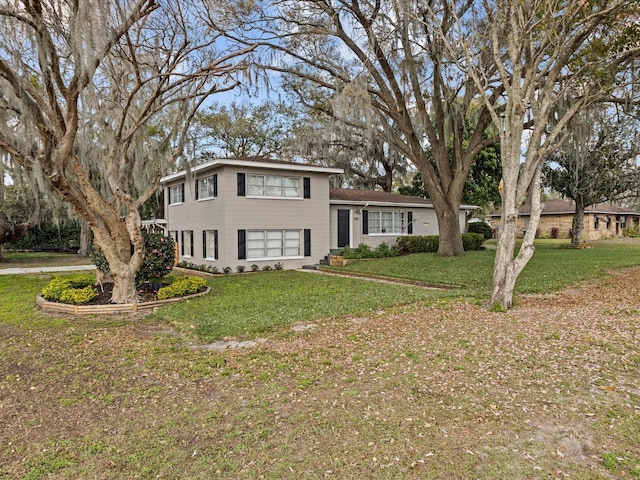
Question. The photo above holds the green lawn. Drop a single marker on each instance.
(434, 389)
(552, 267)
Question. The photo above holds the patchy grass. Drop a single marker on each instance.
(251, 304)
(549, 389)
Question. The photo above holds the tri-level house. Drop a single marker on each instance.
(256, 211)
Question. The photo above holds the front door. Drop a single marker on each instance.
(343, 228)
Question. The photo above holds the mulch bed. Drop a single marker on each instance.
(103, 294)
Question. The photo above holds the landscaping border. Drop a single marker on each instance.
(111, 309)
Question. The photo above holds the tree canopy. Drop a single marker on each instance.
(96, 98)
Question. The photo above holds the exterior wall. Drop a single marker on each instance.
(564, 223)
(424, 223)
(227, 213)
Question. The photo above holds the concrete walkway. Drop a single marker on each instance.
(70, 268)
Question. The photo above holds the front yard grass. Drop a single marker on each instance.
(552, 267)
(433, 389)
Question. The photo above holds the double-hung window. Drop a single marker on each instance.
(273, 243)
(210, 244)
(386, 222)
(274, 186)
(187, 243)
(207, 187)
(176, 194)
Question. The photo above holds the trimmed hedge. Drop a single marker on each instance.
(182, 286)
(430, 243)
(73, 290)
(481, 227)
(472, 241)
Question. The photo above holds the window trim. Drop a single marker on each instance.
(283, 231)
(394, 213)
(182, 235)
(171, 189)
(214, 187)
(300, 187)
(205, 249)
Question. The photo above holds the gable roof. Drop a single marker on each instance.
(255, 162)
(559, 206)
(347, 196)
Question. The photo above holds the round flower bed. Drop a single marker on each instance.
(74, 296)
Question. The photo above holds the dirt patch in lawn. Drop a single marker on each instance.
(550, 389)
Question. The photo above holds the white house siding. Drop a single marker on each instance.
(229, 213)
(424, 222)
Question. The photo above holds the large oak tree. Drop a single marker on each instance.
(96, 97)
(390, 58)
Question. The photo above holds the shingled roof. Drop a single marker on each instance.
(559, 206)
(363, 196)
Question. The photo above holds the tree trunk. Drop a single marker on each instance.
(506, 268)
(85, 239)
(577, 225)
(450, 236)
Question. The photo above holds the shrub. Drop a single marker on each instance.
(472, 241)
(361, 251)
(417, 244)
(226, 269)
(481, 227)
(430, 243)
(278, 266)
(631, 231)
(384, 250)
(240, 269)
(58, 285)
(555, 232)
(267, 268)
(158, 258)
(78, 296)
(182, 286)
(255, 268)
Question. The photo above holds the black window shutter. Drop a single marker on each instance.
(306, 181)
(215, 185)
(410, 223)
(242, 244)
(182, 242)
(241, 185)
(197, 182)
(307, 242)
(192, 242)
(365, 222)
(182, 193)
(204, 244)
(215, 244)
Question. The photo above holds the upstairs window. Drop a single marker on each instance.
(176, 194)
(273, 186)
(207, 187)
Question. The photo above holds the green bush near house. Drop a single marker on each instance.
(430, 243)
(418, 244)
(472, 241)
(182, 286)
(481, 227)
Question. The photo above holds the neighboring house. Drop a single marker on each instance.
(600, 221)
(254, 211)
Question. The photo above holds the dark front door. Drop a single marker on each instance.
(343, 228)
